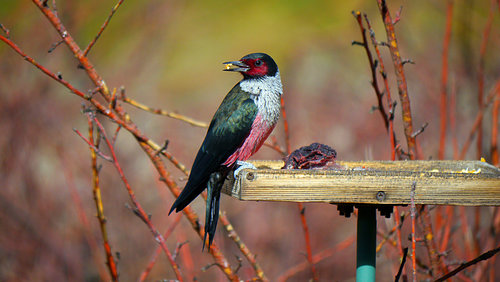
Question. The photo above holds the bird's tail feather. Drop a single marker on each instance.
(214, 187)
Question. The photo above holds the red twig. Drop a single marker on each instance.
(75, 49)
(478, 119)
(104, 25)
(444, 80)
(468, 240)
(275, 146)
(299, 205)
(413, 214)
(96, 190)
(390, 103)
(453, 120)
(395, 229)
(137, 207)
(89, 236)
(285, 125)
(402, 86)
(252, 259)
(103, 109)
(93, 147)
(316, 258)
(165, 176)
(447, 229)
(494, 129)
(305, 227)
(157, 251)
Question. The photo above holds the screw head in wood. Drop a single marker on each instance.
(380, 196)
(250, 176)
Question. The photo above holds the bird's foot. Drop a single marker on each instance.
(242, 165)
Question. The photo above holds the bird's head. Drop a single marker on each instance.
(254, 65)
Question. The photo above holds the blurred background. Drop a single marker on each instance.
(169, 54)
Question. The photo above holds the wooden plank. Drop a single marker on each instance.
(467, 183)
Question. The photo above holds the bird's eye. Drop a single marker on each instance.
(258, 63)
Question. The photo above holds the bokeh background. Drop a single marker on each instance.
(169, 54)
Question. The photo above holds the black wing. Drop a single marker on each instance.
(228, 130)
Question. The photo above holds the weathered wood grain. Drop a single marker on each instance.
(466, 183)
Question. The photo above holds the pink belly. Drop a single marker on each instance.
(258, 134)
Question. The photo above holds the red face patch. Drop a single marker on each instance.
(257, 67)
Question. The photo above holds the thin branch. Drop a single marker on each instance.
(305, 227)
(157, 251)
(300, 206)
(391, 104)
(193, 218)
(120, 117)
(137, 207)
(402, 86)
(231, 233)
(104, 25)
(164, 113)
(54, 46)
(480, 94)
(373, 68)
(397, 18)
(273, 144)
(96, 190)
(430, 243)
(7, 32)
(54, 19)
(413, 214)
(420, 130)
(494, 129)
(285, 124)
(447, 229)
(401, 267)
(394, 229)
(463, 266)
(453, 118)
(93, 147)
(478, 119)
(320, 256)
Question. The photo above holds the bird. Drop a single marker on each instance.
(239, 127)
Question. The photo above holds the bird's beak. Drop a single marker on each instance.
(236, 66)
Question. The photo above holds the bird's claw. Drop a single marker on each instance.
(242, 165)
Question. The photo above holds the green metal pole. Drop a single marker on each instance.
(366, 244)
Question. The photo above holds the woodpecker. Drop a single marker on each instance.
(241, 124)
